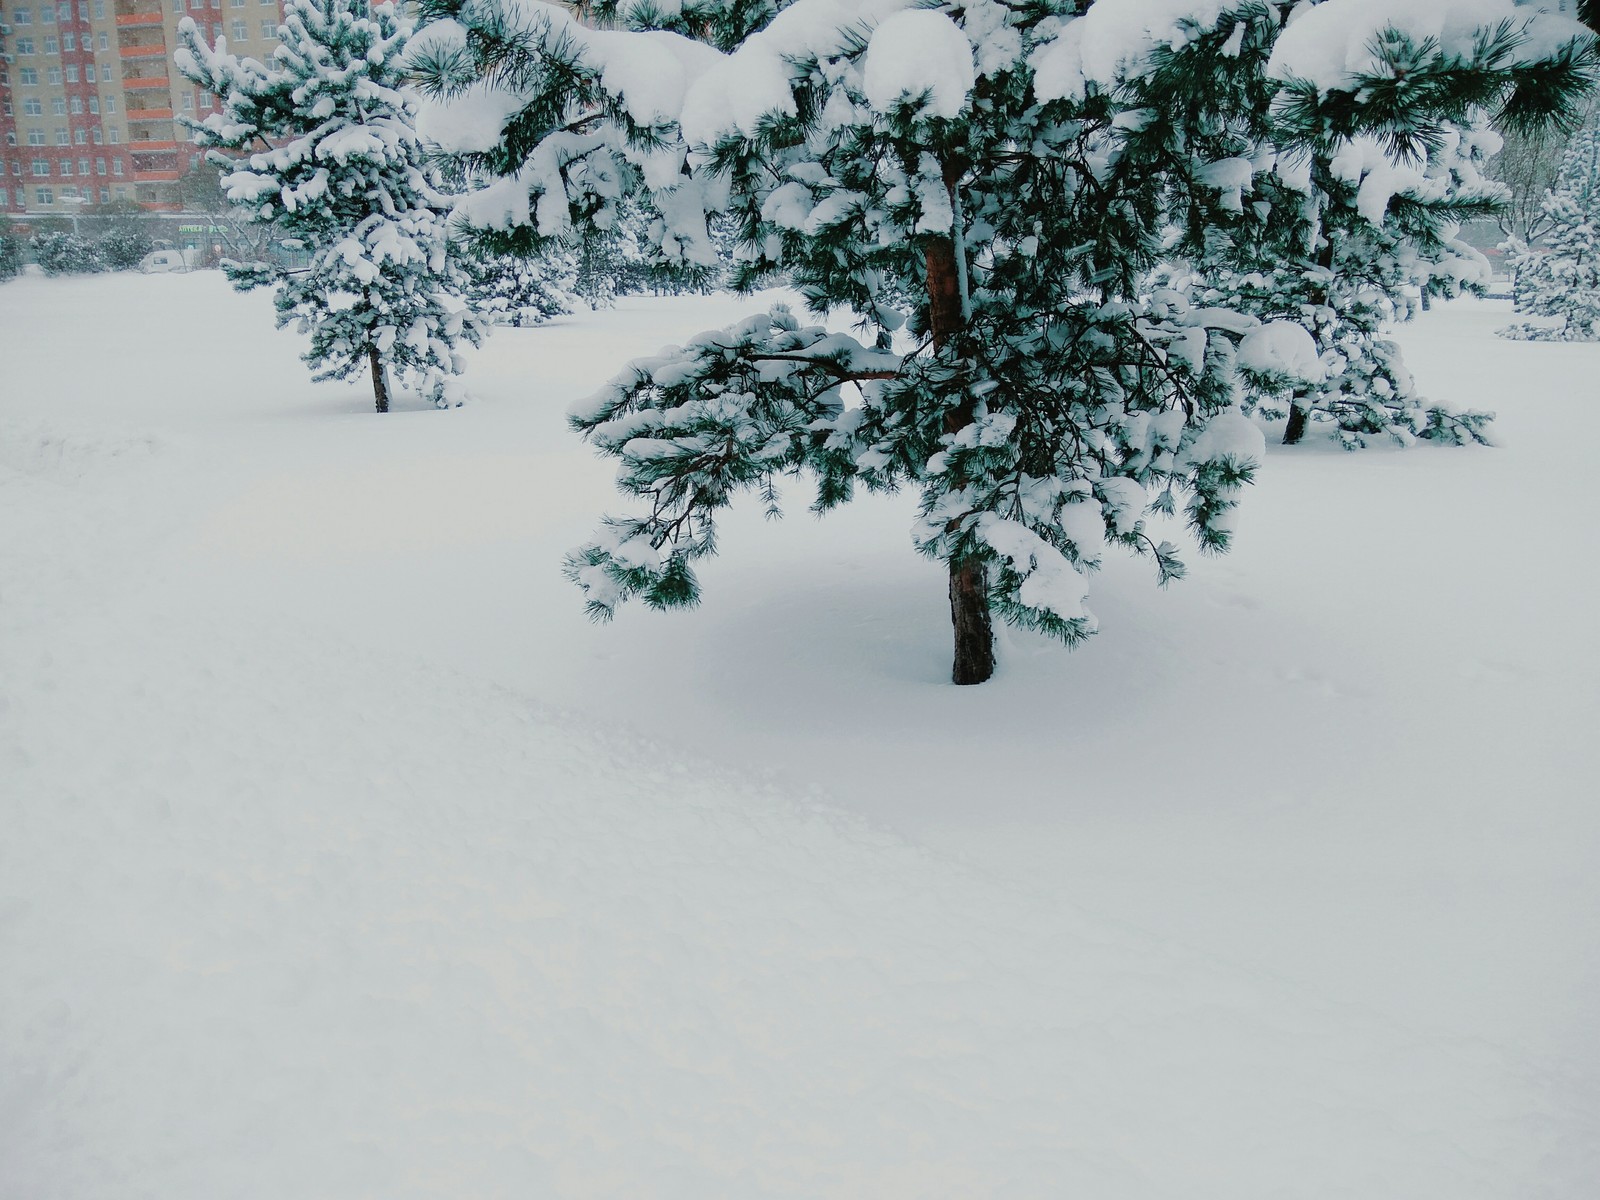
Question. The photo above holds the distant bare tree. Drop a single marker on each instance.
(1528, 165)
(200, 191)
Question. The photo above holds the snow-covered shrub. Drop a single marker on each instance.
(343, 175)
(124, 249)
(1561, 278)
(1006, 173)
(66, 254)
(10, 256)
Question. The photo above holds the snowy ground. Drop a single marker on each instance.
(340, 856)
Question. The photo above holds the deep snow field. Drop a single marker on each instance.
(340, 856)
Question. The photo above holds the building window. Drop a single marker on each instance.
(53, 75)
(80, 137)
(35, 137)
(116, 169)
(89, 75)
(63, 137)
(188, 102)
(114, 136)
(241, 31)
(25, 45)
(58, 105)
(51, 46)
(99, 10)
(45, 195)
(99, 166)
(64, 11)
(22, 16)
(269, 30)
(72, 72)
(76, 105)
(177, 6)
(27, 77)
(94, 105)
(5, 198)
(94, 135)
(83, 9)
(83, 166)
(69, 42)
(105, 195)
(32, 106)
(111, 104)
(41, 167)
(47, 14)
(121, 192)
(66, 168)
(11, 137)
(103, 42)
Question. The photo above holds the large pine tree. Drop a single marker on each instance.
(985, 187)
(321, 144)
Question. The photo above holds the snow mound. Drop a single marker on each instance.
(1331, 44)
(919, 53)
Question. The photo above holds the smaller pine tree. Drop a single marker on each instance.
(1562, 277)
(323, 146)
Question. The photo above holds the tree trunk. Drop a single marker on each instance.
(1298, 417)
(380, 386)
(969, 614)
(969, 578)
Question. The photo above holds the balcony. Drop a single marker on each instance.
(162, 176)
(149, 114)
(146, 83)
(152, 50)
(152, 147)
(135, 20)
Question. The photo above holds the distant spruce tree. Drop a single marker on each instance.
(1010, 173)
(510, 289)
(1346, 241)
(322, 145)
(1561, 278)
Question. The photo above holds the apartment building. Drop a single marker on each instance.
(89, 100)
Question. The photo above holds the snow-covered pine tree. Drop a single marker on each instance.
(321, 143)
(1008, 170)
(1561, 278)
